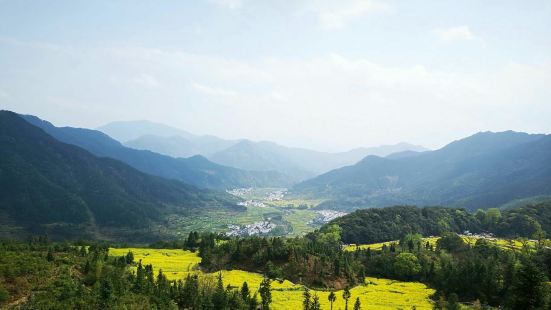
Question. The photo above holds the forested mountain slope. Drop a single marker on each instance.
(482, 171)
(196, 170)
(49, 186)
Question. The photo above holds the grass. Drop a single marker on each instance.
(374, 293)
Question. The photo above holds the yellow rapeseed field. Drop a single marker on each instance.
(374, 293)
(503, 243)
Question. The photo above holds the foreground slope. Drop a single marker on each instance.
(49, 186)
(196, 170)
(482, 171)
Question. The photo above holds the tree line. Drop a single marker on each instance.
(41, 275)
(481, 274)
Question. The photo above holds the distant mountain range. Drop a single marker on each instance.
(195, 170)
(47, 186)
(79, 182)
(482, 171)
(297, 163)
(163, 139)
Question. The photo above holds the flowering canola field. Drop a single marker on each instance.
(374, 293)
(503, 243)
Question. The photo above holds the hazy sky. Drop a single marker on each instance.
(329, 75)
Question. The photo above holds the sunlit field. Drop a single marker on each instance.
(374, 294)
(471, 240)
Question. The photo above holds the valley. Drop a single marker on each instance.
(267, 212)
(274, 155)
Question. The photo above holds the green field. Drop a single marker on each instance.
(290, 216)
(374, 293)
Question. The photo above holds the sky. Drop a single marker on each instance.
(327, 75)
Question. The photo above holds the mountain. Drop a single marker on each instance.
(163, 139)
(130, 130)
(196, 170)
(261, 156)
(47, 186)
(298, 163)
(403, 154)
(175, 146)
(482, 171)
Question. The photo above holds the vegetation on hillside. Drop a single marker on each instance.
(484, 171)
(483, 272)
(49, 186)
(384, 224)
(196, 170)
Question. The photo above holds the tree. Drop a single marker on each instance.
(245, 293)
(50, 255)
(346, 295)
(357, 304)
(492, 217)
(4, 295)
(219, 297)
(451, 242)
(306, 299)
(406, 265)
(129, 258)
(253, 302)
(528, 287)
(332, 298)
(265, 293)
(315, 303)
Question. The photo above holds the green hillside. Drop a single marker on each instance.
(48, 186)
(196, 170)
(482, 171)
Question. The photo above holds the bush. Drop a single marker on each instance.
(4, 295)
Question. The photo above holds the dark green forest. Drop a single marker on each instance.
(383, 224)
(51, 187)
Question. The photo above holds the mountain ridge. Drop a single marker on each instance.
(207, 175)
(48, 186)
(479, 171)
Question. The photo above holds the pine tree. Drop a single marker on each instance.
(528, 287)
(50, 255)
(332, 298)
(306, 299)
(265, 293)
(357, 304)
(346, 296)
(129, 258)
(315, 303)
(253, 302)
(219, 296)
(245, 293)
